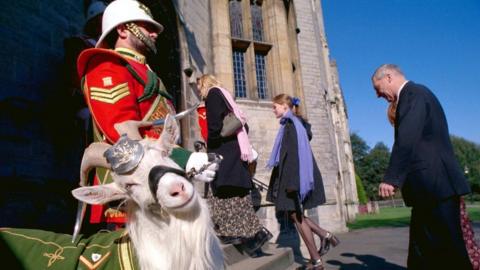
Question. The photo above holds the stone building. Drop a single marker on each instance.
(257, 48)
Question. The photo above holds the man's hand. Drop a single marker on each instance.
(203, 166)
(386, 190)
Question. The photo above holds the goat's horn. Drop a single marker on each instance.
(93, 157)
(131, 128)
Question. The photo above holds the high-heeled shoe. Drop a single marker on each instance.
(316, 265)
(328, 241)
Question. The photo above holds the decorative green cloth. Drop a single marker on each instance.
(37, 249)
(180, 156)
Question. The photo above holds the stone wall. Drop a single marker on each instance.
(316, 87)
(39, 137)
(308, 50)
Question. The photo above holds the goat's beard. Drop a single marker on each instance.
(148, 42)
(176, 240)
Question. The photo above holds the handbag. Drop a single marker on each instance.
(230, 125)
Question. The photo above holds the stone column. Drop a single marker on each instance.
(221, 43)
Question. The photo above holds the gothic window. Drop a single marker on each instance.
(249, 49)
(261, 76)
(257, 20)
(239, 73)
(235, 10)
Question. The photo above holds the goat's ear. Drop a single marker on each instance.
(170, 135)
(100, 194)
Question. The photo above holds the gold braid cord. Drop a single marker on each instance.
(133, 28)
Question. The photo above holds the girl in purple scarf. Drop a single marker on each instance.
(296, 183)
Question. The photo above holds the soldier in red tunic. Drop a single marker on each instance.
(119, 85)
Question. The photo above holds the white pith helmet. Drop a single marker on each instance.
(123, 11)
(95, 8)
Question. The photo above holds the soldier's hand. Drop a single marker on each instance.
(204, 166)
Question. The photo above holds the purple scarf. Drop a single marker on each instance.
(305, 156)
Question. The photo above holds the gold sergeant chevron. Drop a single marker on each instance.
(110, 95)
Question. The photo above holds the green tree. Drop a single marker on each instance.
(468, 155)
(373, 169)
(362, 195)
(359, 148)
(370, 164)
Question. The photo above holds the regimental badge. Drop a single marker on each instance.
(96, 257)
(96, 264)
(110, 95)
(124, 155)
(145, 8)
(107, 81)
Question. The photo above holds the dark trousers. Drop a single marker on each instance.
(436, 240)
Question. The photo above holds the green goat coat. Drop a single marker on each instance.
(37, 249)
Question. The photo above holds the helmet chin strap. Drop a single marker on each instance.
(133, 28)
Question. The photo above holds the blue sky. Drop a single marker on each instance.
(435, 42)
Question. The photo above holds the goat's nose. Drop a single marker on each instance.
(177, 189)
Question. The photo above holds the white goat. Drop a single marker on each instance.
(167, 221)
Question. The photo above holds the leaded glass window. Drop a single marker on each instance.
(257, 20)
(239, 74)
(260, 70)
(250, 48)
(235, 10)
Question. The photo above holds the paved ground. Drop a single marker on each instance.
(384, 248)
(372, 249)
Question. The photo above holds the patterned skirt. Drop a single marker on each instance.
(234, 216)
(469, 236)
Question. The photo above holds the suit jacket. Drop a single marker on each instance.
(422, 162)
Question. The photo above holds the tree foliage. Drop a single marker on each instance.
(359, 148)
(373, 168)
(362, 195)
(370, 164)
(468, 155)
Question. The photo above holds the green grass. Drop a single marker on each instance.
(474, 212)
(397, 217)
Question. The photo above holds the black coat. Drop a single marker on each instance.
(422, 162)
(233, 177)
(286, 175)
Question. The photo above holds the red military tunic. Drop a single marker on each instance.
(118, 85)
(113, 92)
(202, 121)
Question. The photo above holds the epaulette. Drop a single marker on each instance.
(87, 55)
(152, 84)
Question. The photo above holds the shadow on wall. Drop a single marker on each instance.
(40, 136)
(40, 163)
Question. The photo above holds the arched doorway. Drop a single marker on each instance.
(166, 63)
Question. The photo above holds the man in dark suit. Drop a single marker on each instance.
(423, 166)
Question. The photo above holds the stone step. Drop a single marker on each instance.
(273, 258)
(295, 266)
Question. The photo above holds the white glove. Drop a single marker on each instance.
(254, 155)
(204, 164)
